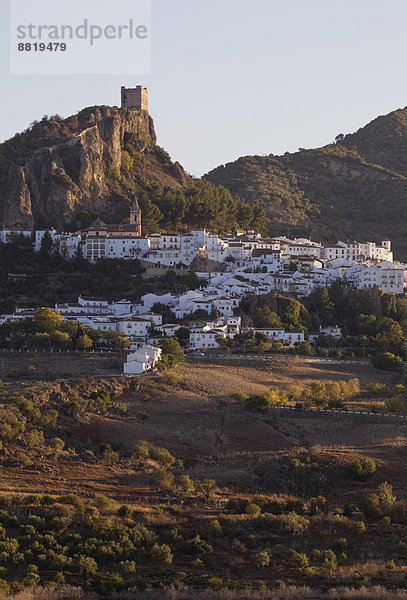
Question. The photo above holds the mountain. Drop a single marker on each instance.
(63, 172)
(353, 188)
(66, 172)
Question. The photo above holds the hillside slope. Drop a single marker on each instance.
(90, 163)
(356, 187)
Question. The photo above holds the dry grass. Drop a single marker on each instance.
(288, 593)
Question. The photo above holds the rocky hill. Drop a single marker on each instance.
(61, 172)
(355, 187)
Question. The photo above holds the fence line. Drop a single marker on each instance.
(59, 351)
(343, 412)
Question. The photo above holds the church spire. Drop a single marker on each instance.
(135, 215)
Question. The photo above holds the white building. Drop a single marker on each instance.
(291, 337)
(388, 276)
(142, 360)
(7, 235)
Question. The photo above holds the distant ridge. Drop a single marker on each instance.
(354, 188)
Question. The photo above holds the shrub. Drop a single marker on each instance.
(164, 480)
(215, 528)
(186, 483)
(198, 563)
(292, 523)
(85, 565)
(162, 456)
(34, 438)
(125, 511)
(197, 546)
(253, 509)
(361, 469)
(103, 502)
(262, 559)
(319, 506)
(340, 544)
(207, 487)
(395, 404)
(328, 559)
(240, 397)
(398, 512)
(387, 362)
(161, 555)
(401, 549)
(257, 403)
(298, 560)
(377, 389)
(358, 528)
(57, 444)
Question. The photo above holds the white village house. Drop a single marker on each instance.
(142, 360)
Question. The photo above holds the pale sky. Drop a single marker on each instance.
(232, 77)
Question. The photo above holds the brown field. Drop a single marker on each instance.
(191, 413)
(40, 366)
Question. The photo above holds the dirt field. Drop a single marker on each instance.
(191, 413)
(36, 366)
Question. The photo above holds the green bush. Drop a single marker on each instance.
(161, 555)
(125, 511)
(262, 559)
(253, 509)
(387, 362)
(57, 444)
(164, 480)
(298, 560)
(362, 468)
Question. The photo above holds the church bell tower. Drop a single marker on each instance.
(135, 216)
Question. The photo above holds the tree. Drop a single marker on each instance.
(395, 405)
(183, 336)
(172, 354)
(387, 362)
(257, 402)
(265, 317)
(152, 215)
(385, 494)
(262, 559)
(186, 483)
(320, 303)
(83, 342)
(46, 245)
(207, 487)
(86, 565)
(165, 480)
(389, 332)
(61, 339)
(47, 320)
(161, 555)
(40, 340)
(57, 444)
(362, 468)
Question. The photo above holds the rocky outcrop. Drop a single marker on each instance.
(61, 168)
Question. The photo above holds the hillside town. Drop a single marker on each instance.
(234, 265)
(229, 269)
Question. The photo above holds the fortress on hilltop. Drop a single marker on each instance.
(136, 98)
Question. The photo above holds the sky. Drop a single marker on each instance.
(231, 78)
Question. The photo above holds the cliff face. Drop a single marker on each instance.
(92, 162)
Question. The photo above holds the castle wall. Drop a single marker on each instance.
(136, 98)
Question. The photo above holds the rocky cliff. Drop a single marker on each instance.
(64, 172)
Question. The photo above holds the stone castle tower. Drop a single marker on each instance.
(135, 98)
(135, 216)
